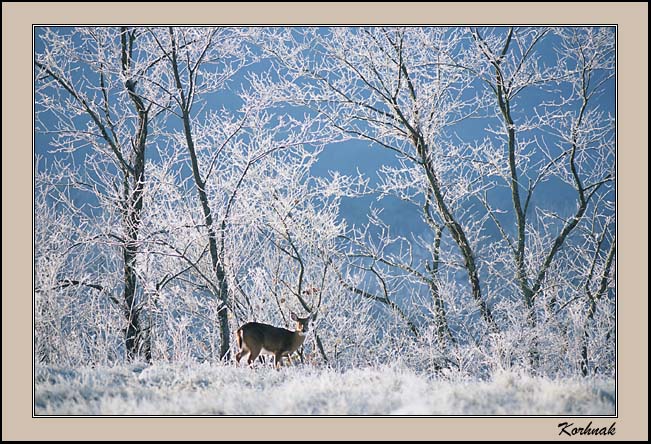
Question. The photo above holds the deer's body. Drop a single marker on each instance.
(255, 338)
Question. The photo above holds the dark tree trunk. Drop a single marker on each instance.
(216, 259)
(136, 336)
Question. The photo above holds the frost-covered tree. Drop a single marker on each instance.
(89, 102)
(567, 137)
(200, 61)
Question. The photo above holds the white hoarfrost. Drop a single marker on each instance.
(204, 389)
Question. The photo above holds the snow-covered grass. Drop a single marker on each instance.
(203, 389)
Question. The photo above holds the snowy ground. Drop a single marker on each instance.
(202, 389)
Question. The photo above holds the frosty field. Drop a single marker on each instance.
(203, 389)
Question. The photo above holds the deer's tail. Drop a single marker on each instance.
(238, 336)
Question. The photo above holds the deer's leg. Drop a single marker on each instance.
(279, 360)
(243, 351)
(255, 351)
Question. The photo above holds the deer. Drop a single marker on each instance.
(255, 338)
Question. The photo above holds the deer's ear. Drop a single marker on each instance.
(293, 316)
